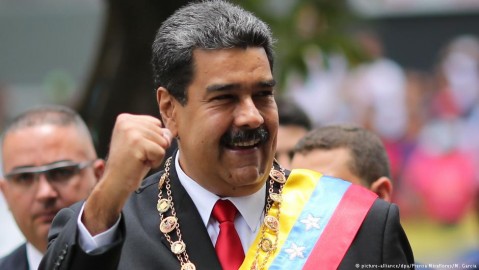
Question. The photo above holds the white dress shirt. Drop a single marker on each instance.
(34, 257)
(247, 222)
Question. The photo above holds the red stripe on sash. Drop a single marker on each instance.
(341, 229)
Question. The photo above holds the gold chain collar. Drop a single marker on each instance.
(170, 226)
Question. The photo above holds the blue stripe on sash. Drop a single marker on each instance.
(310, 224)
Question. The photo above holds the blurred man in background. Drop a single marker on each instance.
(293, 125)
(49, 162)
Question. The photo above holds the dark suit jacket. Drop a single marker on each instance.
(140, 244)
(16, 260)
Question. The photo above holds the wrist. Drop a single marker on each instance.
(103, 208)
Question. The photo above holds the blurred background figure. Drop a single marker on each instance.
(348, 152)
(375, 92)
(320, 93)
(293, 125)
(439, 180)
(48, 162)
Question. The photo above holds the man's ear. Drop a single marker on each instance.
(98, 169)
(383, 187)
(2, 185)
(4, 190)
(167, 106)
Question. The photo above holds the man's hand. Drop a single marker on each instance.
(138, 143)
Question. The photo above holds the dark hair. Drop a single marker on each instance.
(290, 113)
(369, 160)
(202, 25)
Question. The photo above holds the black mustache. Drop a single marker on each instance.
(237, 136)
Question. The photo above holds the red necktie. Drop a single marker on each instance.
(228, 245)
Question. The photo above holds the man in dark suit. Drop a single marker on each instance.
(49, 162)
(221, 202)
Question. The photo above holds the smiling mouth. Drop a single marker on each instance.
(245, 139)
(246, 144)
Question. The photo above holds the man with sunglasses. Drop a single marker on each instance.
(49, 163)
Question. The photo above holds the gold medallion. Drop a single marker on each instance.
(277, 176)
(163, 205)
(254, 266)
(276, 197)
(178, 247)
(266, 244)
(168, 224)
(188, 266)
(271, 222)
(162, 181)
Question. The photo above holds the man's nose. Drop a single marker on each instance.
(248, 115)
(45, 190)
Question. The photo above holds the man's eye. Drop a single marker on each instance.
(23, 178)
(266, 93)
(223, 97)
(61, 174)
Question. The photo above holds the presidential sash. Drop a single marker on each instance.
(319, 219)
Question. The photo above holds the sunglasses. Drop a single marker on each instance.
(56, 173)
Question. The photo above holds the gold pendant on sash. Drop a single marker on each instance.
(271, 222)
(266, 245)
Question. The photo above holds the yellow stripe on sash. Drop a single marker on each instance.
(296, 192)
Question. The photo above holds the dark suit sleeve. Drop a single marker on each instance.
(380, 242)
(64, 251)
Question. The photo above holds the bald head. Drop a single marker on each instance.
(52, 115)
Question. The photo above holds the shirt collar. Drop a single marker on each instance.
(250, 207)
(34, 256)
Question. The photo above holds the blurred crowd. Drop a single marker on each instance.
(429, 124)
